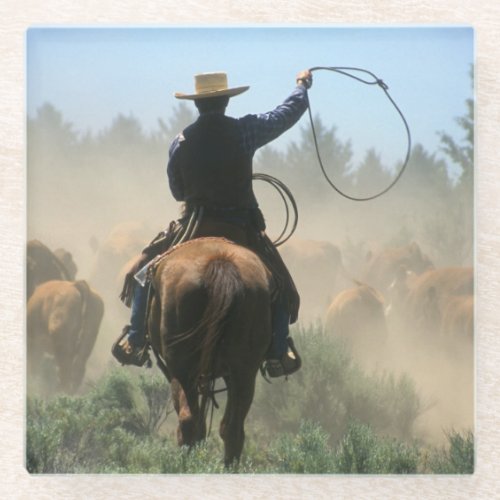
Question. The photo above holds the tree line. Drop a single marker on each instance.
(425, 204)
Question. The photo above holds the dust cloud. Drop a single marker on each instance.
(104, 197)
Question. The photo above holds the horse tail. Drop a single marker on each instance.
(224, 286)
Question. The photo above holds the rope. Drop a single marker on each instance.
(192, 225)
(376, 81)
(287, 197)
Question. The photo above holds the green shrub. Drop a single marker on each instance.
(361, 452)
(306, 452)
(457, 457)
(354, 454)
(388, 404)
(156, 392)
(331, 390)
(114, 428)
(141, 403)
(205, 457)
(43, 439)
(86, 433)
(311, 394)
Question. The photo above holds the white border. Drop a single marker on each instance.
(17, 16)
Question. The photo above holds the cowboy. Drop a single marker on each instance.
(210, 166)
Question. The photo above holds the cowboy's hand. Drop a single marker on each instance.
(305, 78)
(140, 261)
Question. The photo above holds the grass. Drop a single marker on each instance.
(330, 418)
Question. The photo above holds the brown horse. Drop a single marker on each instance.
(211, 318)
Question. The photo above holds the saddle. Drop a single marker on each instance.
(242, 228)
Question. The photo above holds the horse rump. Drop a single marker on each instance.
(211, 318)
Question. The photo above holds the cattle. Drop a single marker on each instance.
(318, 272)
(445, 280)
(434, 308)
(124, 242)
(44, 265)
(63, 320)
(356, 315)
(384, 267)
(429, 295)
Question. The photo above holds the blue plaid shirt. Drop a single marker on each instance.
(255, 131)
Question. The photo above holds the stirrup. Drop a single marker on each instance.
(132, 356)
(289, 363)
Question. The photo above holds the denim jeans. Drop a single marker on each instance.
(138, 317)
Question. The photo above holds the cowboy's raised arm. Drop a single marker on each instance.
(264, 127)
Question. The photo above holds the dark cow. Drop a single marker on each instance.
(44, 265)
(63, 319)
(67, 260)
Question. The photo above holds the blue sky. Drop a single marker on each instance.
(93, 74)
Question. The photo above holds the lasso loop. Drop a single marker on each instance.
(288, 199)
(376, 81)
(286, 194)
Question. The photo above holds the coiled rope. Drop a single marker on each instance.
(376, 81)
(288, 200)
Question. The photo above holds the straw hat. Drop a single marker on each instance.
(211, 85)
